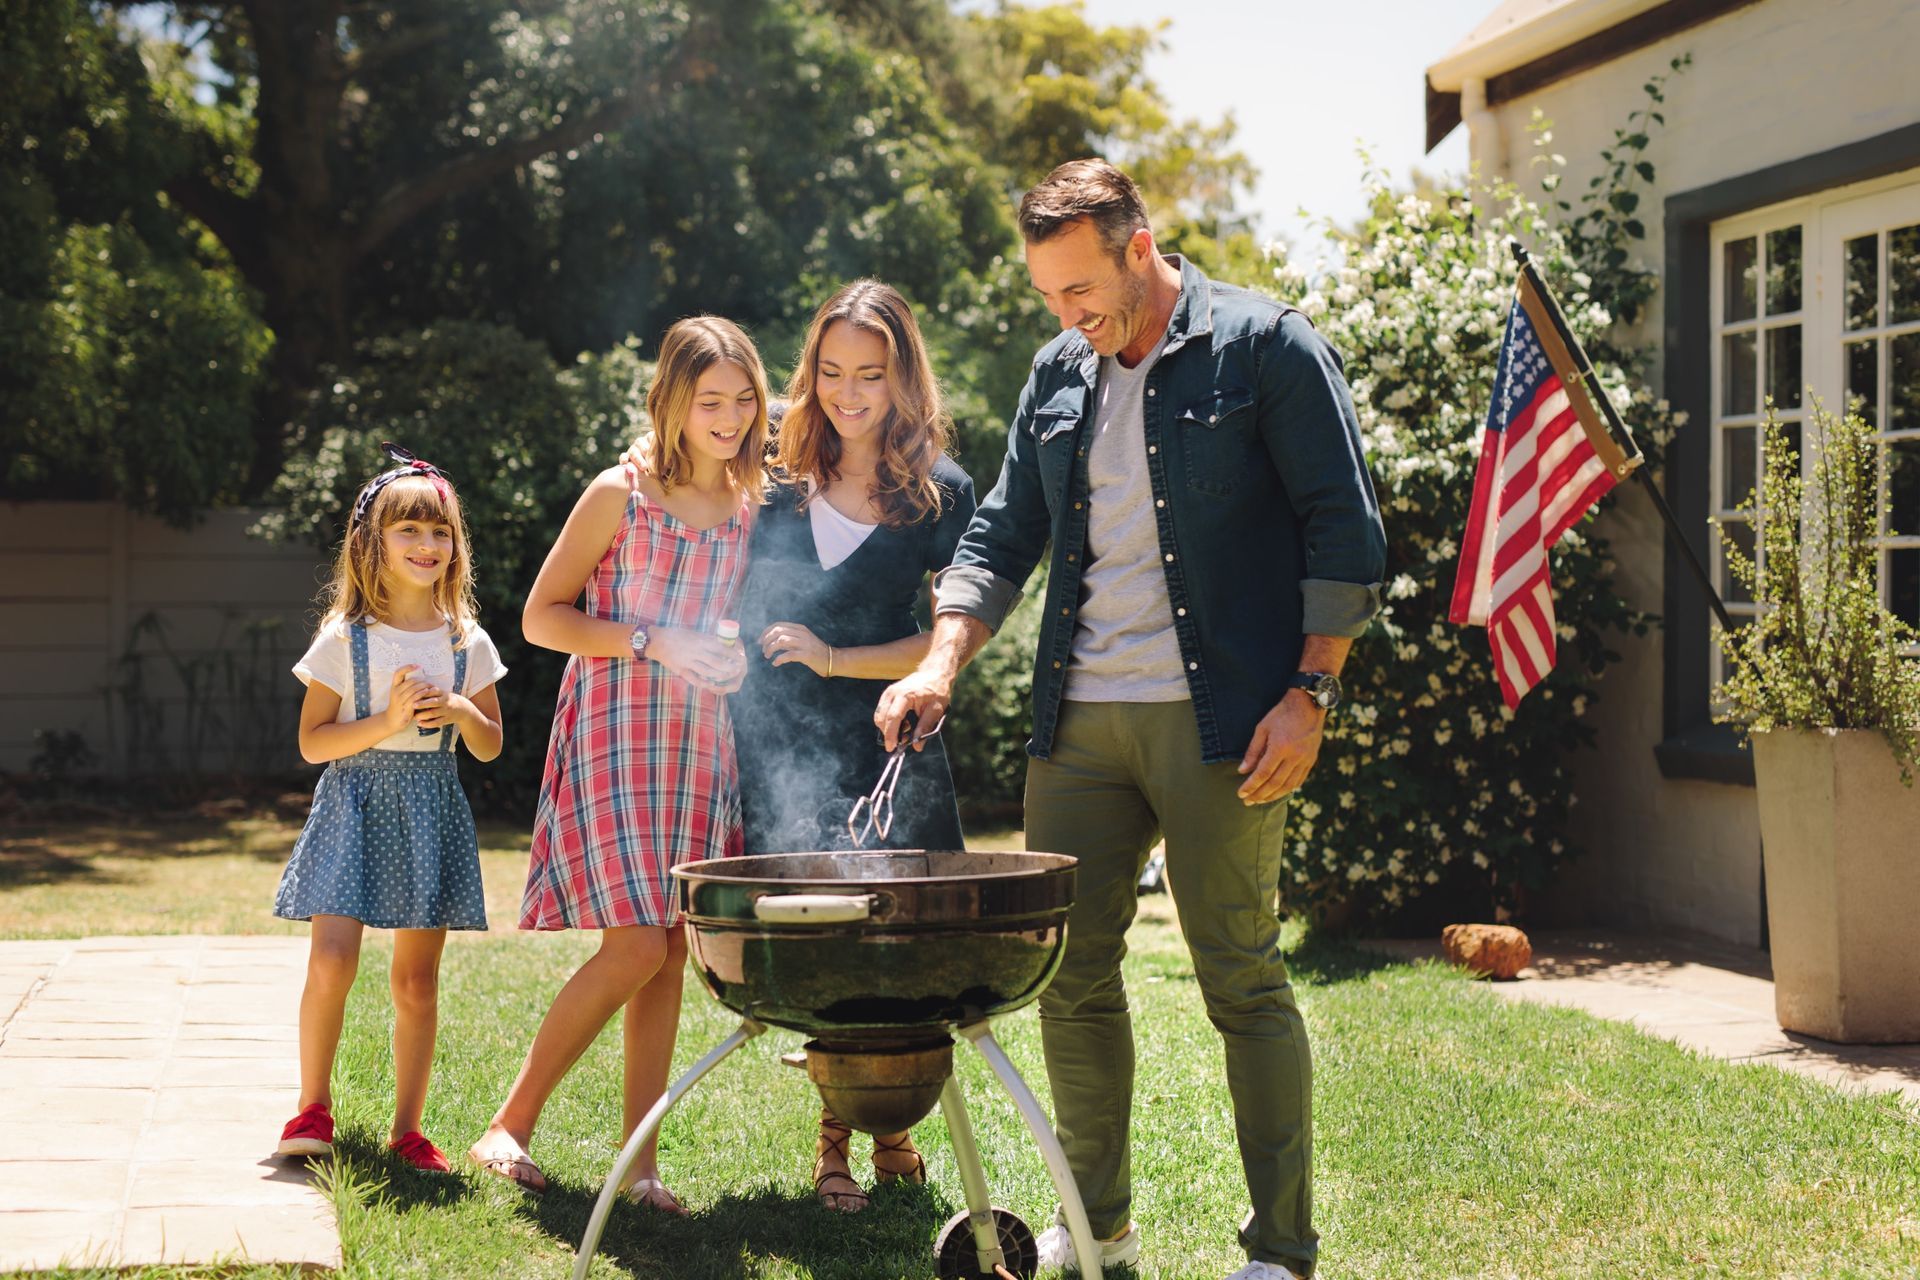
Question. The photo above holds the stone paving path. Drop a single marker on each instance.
(143, 1082)
(1705, 995)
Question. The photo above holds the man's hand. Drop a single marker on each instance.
(1285, 745)
(923, 693)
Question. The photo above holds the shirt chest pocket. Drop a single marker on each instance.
(1217, 440)
(1053, 434)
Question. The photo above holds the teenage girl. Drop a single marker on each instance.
(864, 505)
(399, 671)
(640, 771)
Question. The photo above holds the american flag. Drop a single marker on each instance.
(1545, 458)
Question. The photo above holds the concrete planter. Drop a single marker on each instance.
(1842, 850)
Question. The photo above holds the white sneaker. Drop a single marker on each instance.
(1056, 1248)
(1263, 1271)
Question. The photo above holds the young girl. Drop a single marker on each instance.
(640, 771)
(398, 672)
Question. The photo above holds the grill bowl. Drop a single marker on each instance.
(876, 949)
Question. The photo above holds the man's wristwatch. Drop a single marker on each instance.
(1321, 686)
(637, 641)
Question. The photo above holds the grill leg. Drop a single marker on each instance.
(986, 1233)
(1070, 1203)
(746, 1031)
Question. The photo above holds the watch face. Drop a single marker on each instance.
(1321, 687)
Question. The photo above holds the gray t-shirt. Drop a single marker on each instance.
(1124, 649)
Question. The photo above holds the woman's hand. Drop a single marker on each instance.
(403, 697)
(636, 457)
(785, 642)
(700, 659)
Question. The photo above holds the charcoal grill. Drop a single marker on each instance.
(880, 958)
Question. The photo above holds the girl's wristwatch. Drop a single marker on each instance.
(637, 641)
(1321, 686)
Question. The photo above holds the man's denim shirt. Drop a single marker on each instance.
(1269, 530)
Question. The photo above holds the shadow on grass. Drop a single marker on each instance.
(1324, 960)
(892, 1239)
(406, 1186)
(69, 853)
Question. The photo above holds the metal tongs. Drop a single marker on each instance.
(876, 807)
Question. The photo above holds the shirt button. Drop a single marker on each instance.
(1150, 391)
(1169, 557)
(1153, 448)
(1213, 417)
(1193, 666)
(1076, 506)
(1082, 453)
(1064, 611)
(1056, 666)
(1179, 613)
(1159, 502)
(1071, 557)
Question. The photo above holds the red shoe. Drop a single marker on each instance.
(421, 1154)
(308, 1134)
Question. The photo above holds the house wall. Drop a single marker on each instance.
(1769, 84)
(164, 648)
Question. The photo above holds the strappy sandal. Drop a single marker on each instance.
(644, 1191)
(520, 1170)
(835, 1136)
(881, 1174)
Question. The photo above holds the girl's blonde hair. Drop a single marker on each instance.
(691, 347)
(358, 587)
(917, 428)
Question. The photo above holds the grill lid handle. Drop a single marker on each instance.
(815, 908)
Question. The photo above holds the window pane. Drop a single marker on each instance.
(1863, 379)
(1738, 380)
(1783, 270)
(1903, 382)
(1742, 271)
(1903, 583)
(1863, 282)
(1903, 488)
(1903, 274)
(1732, 591)
(1783, 366)
(1737, 476)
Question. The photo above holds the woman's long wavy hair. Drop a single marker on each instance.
(916, 430)
(691, 347)
(358, 587)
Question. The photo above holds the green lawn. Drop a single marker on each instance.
(1457, 1134)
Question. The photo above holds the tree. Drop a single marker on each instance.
(314, 157)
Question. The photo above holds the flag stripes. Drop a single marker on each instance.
(1539, 472)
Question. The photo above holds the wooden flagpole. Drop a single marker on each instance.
(1586, 385)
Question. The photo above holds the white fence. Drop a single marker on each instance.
(163, 649)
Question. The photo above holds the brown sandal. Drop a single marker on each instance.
(835, 1136)
(882, 1174)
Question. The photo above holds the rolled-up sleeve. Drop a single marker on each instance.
(1313, 437)
(1006, 537)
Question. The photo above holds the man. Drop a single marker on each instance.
(1189, 452)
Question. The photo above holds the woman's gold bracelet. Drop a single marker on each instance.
(829, 674)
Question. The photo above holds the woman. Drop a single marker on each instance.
(864, 505)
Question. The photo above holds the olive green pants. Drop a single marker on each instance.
(1120, 776)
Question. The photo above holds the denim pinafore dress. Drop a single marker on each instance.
(390, 841)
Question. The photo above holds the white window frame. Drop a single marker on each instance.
(1827, 221)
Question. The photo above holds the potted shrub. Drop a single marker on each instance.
(1822, 683)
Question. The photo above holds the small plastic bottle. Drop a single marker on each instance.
(728, 631)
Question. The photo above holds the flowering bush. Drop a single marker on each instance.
(1425, 779)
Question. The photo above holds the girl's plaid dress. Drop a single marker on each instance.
(640, 768)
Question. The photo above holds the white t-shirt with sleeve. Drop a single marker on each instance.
(329, 661)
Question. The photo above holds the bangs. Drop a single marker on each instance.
(415, 498)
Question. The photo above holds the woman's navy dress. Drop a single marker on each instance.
(807, 745)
